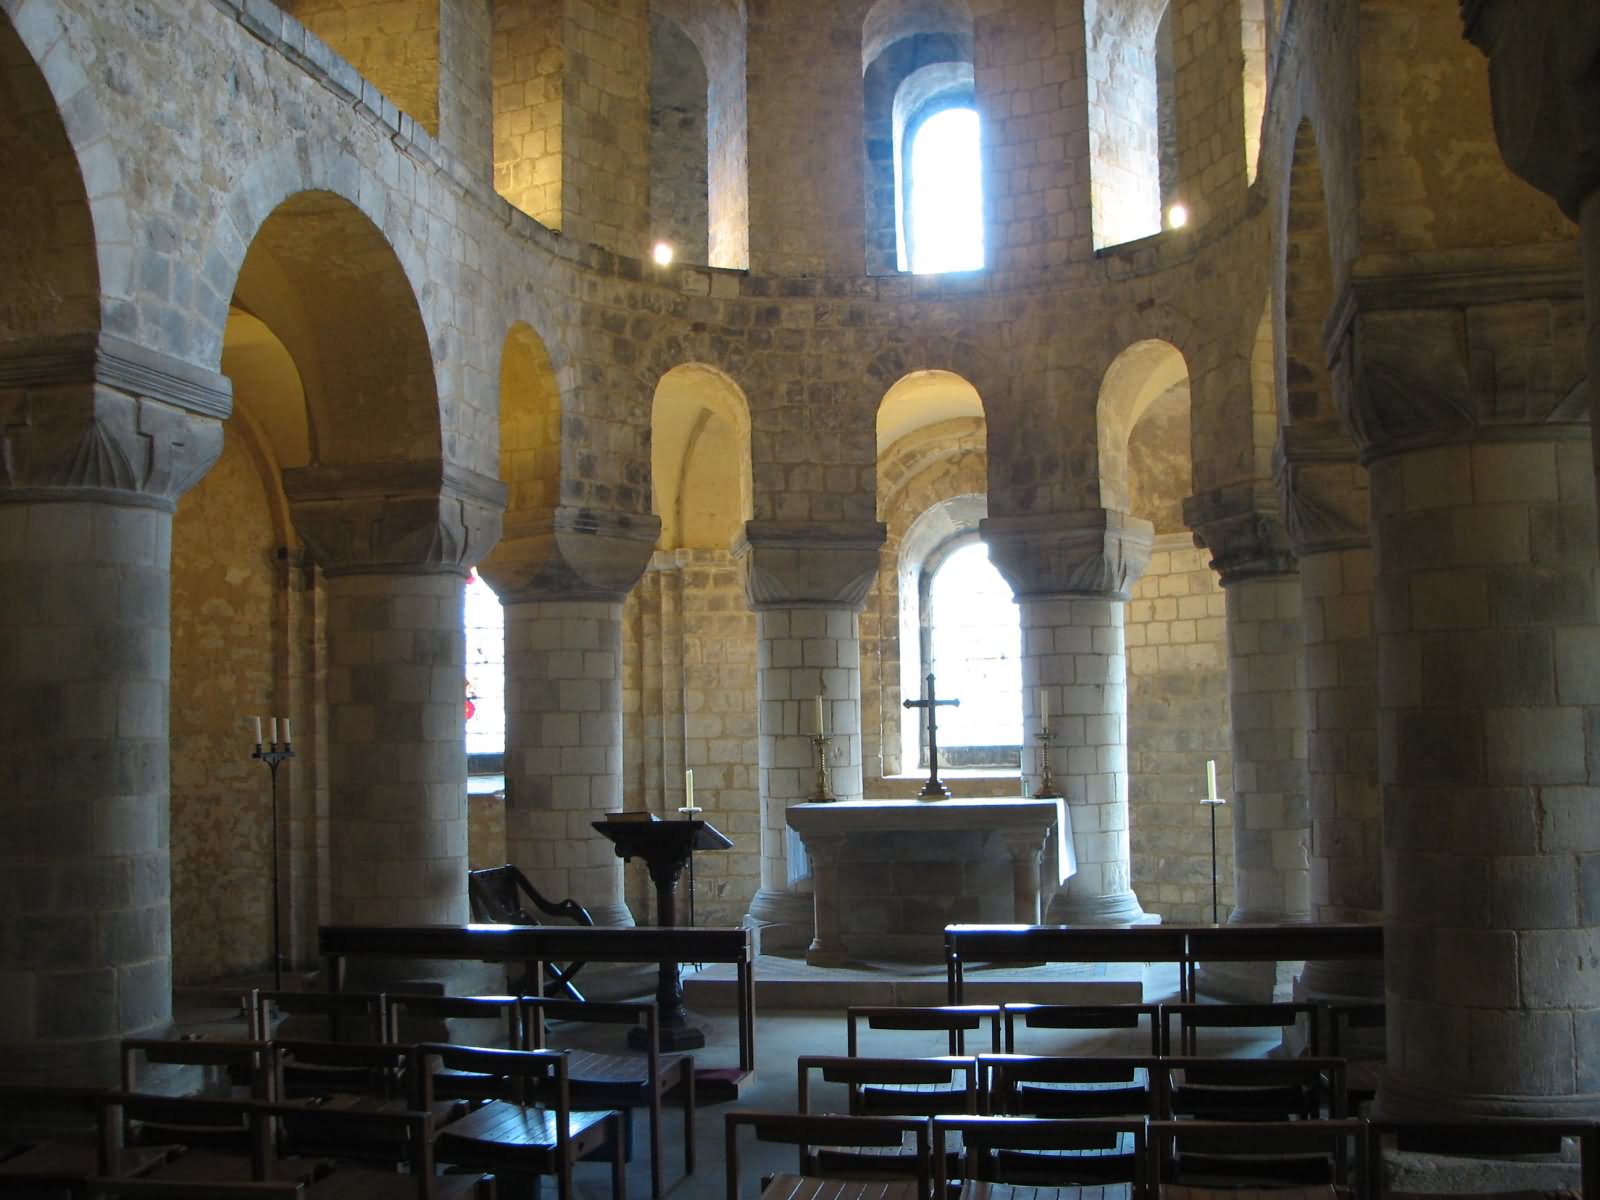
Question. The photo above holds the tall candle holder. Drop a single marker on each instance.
(823, 794)
(1047, 784)
(275, 757)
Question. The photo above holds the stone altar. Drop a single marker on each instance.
(889, 875)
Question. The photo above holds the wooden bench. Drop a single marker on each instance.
(545, 943)
(1187, 946)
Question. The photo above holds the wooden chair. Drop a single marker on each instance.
(1187, 1020)
(53, 1146)
(1034, 1151)
(1211, 1160)
(605, 1080)
(354, 1079)
(1253, 1089)
(892, 1176)
(525, 1125)
(1364, 1056)
(1071, 1086)
(500, 896)
(318, 1016)
(1105, 1018)
(1537, 1145)
(242, 1068)
(921, 1087)
(953, 1020)
(106, 1188)
(416, 1017)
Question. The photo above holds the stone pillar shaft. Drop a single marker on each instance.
(564, 748)
(85, 928)
(397, 755)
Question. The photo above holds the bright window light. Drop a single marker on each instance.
(977, 651)
(946, 193)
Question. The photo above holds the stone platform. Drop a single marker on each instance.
(790, 983)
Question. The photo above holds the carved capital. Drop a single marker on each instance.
(1241, 527)
(1096, 552)
(1323, 488)
(809, 566)
(1462, 355)
(394, 518)
(91, 416)
(1544, 84)
(571, 554)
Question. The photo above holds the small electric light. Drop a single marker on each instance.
(1177, 217)
(663, 254)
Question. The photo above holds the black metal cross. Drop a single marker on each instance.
(932, 703)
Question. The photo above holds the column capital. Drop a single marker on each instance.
(1323, 488)
(394, 518)
(1544, 86)
(95, 417)
(1241, 526)
(571, 554)
(791, 565)
(1462, 351)
(1096, 552)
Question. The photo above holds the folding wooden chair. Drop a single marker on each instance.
(953, 1020)
(894, 1176)
(1027, 1085)
(1208, 1160)
(1105, 1153)
(920, 1086)
(1254, 1089)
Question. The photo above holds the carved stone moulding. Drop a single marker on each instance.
(791, 565)
(1462, 355)
(394, 518)
(571, 554)
(1241, 526)
(1096, 552)
(94, 417)
(1322, 487)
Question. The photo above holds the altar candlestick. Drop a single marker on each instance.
(258, 731)
(1211, 779)
(274, 731)
(1044, 706)
(287, 737)
(820, 729)
(688, 788)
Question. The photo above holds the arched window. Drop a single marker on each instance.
(484, 622)
(972, 645)
(944, 189)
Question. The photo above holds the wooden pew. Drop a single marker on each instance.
(544, 943)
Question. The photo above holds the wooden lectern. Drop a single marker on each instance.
(665, 847)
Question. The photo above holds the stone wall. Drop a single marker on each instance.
(528, 60)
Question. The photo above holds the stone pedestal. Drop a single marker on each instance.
(100, 438)
(562, 582)
(1071, 574)
(889, 875)
(807, 584)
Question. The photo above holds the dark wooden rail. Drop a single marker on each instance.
(1185, 945)
(561, 943)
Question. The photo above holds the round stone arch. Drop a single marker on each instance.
(48, 90)
(700, 459)
(1137, 378)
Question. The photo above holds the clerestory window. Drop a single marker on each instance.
(484, 622)
(944, 190)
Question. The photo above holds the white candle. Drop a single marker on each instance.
(258, 731)
(688, 788)
(1211, 779)
(274, 731)
(1044, 707)
(287, 736)
(821, 731)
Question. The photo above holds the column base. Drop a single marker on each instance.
(611, 915)
(1117, 908)
(1402, 1100)
(782, 923)
(1245, 982)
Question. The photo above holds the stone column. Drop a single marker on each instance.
(1462, 389)
(394, 541)
(98, 439)
(1544, 74)
(1024, 848)
(827, 948)
(1071, 573)
(1271, 826)
(1324, 491)
(562, 580)
(807, 585)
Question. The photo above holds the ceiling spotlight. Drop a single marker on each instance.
(1177, 217)
(663, 254)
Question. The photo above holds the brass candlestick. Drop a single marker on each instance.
(823, 794)
(1047, 785)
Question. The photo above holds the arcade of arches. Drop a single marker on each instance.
(314, 307)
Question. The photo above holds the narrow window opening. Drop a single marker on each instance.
(973, 647)
(945, 192)
(484, 622)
